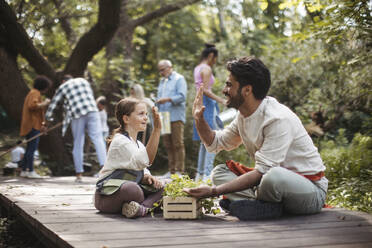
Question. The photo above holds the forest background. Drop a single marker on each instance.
(318, 52)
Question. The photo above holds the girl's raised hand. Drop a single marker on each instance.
(156, 116)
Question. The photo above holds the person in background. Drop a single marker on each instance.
(16, 159)
(289, 172)
(33, 122)
(17, 154)
(101, 105)
(171, 98)
(203, 76)
(81, 110)
(136, 91)
(126, 152)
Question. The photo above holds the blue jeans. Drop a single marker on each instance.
(28, 160)
(205, 161)
(92, 123)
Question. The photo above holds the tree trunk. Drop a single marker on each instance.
(127, 37)
(12, 81)
(221, 20)
(96, 38)
(65, 22)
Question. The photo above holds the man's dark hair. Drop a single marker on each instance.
(66, 77)
(41, 82)
(251, 71)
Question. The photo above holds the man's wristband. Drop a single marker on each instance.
(214, 191)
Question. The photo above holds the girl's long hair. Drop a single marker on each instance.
(125, 106)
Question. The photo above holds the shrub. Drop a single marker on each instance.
(349, 171)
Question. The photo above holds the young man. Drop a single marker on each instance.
(171, 98)
(81, 110)
(288, 173)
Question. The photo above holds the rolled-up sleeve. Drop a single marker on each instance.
(278, 137)
(53, 104)
(226, 139)
(181, 88)
(33, 103)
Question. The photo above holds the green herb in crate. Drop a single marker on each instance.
(175, 189)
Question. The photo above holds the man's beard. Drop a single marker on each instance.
(236, 101)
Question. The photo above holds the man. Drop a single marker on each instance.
(171, 98)
(81, 110)
(288, 173)
(33, 123)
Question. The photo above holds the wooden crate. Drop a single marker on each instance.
(181, 208)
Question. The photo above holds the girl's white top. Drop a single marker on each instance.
(125, 153)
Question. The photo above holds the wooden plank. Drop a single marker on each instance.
(55, 207)
(188, 207)
(160, 225)
(116, 234)
(293, 238)
(354, 244)
(349, 245)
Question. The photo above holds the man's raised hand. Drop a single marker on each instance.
(198, 107)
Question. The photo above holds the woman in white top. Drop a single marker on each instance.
(126, 152)
(101, 104)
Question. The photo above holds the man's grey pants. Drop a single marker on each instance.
(298, 194)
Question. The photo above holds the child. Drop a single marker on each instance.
(16, 160)
(17, 154)
(101, 104)
(126, 152)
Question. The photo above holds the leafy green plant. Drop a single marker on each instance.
(175, 189)
(349, 171)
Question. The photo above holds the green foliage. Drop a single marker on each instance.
(175, 189)
(239, 155)
(349, 171)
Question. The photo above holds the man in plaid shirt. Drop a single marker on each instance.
(81, 110)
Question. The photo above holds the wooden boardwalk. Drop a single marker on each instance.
(61, 214)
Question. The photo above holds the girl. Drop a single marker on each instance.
(203, 75)
(126, 152)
